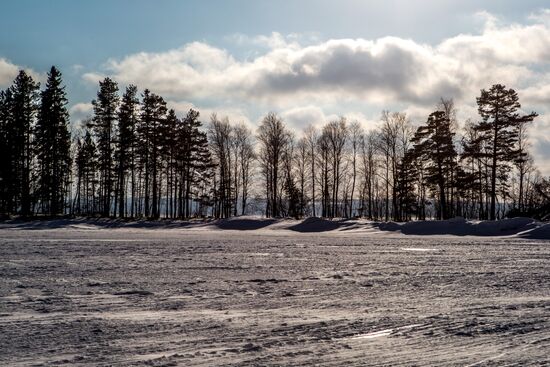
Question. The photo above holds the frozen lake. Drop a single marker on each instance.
(167, 297)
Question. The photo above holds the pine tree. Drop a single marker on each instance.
(194, 163)
(24, 109)
(86, 171)
(7, 163)
(168, 151)
(53, 143)
(498, 108)
(128, 118)
(407, 179)
(153, 112)
(434, 142)
(103, 127)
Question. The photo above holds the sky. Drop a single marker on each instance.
(308, 60)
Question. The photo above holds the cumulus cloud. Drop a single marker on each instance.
(383, 70)
(81, 108)
(8, 72)
(312, 81)
(78, 112)
(299, 118)
(234, 114)
(302, 117)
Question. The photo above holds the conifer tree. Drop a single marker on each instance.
(128, 118)
(86, 162)
(194, 162)
(25, 103)
(434, 143)
(498, 108)
(103, 127)
(53, 143)
(7, 152)
(153, 112)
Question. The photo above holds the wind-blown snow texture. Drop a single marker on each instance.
(247, 292)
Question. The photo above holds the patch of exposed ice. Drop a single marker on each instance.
(374, 334)
(381, 333)
(418, 249)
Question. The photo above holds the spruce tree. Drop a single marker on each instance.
(86, 170)
(53, 143)
(103, 127)
(25, 102)
(153, 112)
(194, 161)
(7, 163)
(434, 143)
(128, 118)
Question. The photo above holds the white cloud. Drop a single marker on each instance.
(273, 41)
(380, 71)
(299, 118)
(8, 72)
(81, 108)
(79, 112)
(235, 115)
(307, 82)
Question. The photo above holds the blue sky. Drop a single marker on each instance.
(309, 60)
(66, 33)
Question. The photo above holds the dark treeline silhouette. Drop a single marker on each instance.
(135, 158)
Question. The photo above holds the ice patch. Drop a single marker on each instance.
(381, 333)
(418, 249)
(374, 334)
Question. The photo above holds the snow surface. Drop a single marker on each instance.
(521, 227)
(257, 292)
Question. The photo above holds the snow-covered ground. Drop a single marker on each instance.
(274, 292)
(519, 227)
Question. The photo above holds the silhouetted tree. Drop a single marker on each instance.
(311, 137)
(103, 127)
(128, 119)
(53, 144)
(433, 142)
(8, 153)
(153, 113)
(273, 137)
(498, 128)
(86, 162)
(25, 103)
(244, 157)
(219, 137)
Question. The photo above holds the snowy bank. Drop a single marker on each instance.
(520, 227)
(462, 227)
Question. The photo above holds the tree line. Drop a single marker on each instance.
(136, 158)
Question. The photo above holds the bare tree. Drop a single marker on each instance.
(311, 136)
(301, 158)
(336, 133)
(219, 136)
(242, 137)
(273, 137)
(355, 137)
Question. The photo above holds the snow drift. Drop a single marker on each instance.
(520, 227)
(462, 227)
